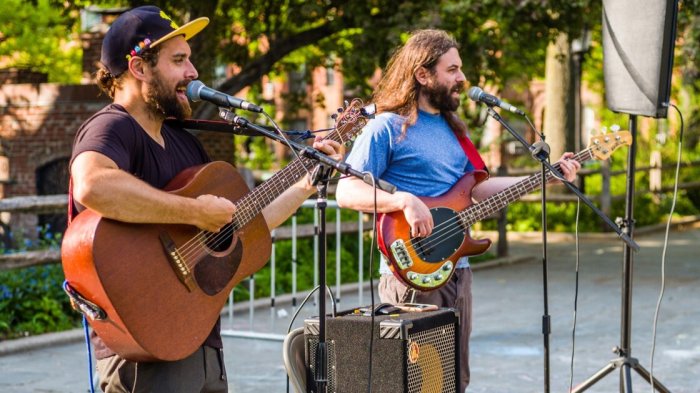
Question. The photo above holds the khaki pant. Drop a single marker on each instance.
(457, 294)
(201, 372)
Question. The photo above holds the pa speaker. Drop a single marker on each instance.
(638, 42)
(411, 352)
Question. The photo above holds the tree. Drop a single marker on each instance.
(260, 36)
(40, 35)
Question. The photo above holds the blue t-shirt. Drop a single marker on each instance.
(427, 161)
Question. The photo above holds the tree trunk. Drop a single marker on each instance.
(559, 111)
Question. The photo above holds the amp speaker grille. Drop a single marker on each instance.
(412, 352)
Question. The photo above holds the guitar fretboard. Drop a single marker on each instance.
(498, 201)
(249, 206)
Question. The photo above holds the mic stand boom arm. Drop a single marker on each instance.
(542, 157)
(310, 152)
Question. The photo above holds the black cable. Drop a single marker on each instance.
(303, 302)
(576, 281)
(373, 245)
(282, 134)
(663, 253)
(306, 299)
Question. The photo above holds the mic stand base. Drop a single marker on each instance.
(625, 362)
(540, 151)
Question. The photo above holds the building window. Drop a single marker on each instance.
(52, 179)
(330, 76)
(297, 81)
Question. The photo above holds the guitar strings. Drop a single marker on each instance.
(204, 242)
(448, 228)
(196, 248)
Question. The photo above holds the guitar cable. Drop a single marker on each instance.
(91, 377)
(87, 309)
(665, 247)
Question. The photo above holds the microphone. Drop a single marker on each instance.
(478, 95)
(196, 91)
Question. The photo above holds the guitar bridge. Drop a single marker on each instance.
(400, 253)
(177, 262)
(431, 280)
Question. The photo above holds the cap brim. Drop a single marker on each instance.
(189, 30)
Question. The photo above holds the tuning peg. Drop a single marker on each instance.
(615, 128)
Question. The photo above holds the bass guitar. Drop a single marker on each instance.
(160, 288)
(427, 263)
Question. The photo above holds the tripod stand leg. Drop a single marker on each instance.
(645, 374)
(596, 377)
(625, 379)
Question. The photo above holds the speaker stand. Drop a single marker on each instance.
(625, 362)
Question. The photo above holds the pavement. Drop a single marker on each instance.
(507, 345)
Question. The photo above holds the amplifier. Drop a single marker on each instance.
(412, 352)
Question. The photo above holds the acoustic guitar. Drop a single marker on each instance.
(160, 288)
(427, 263)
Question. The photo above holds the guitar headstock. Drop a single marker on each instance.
(602, 146)
(350, 120)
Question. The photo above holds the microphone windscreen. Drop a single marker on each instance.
(193, 89)
(474, 93)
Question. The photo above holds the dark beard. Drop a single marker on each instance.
(162, 102)
(439, 96)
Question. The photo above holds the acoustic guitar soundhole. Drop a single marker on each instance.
(215, 271)
(219, 242)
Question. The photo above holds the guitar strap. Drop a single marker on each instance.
(70, 200)
(472, 153)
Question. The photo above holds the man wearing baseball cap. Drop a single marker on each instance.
(124, 155)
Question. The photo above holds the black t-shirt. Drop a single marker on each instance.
(117, 135)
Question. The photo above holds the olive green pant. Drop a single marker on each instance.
(201, 372)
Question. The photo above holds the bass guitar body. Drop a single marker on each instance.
(426, 263)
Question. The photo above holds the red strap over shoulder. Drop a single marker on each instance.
(70, 201)
(472, 153)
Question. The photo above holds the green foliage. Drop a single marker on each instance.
(42, 36)
(305, 260)
(649, 209)
(33, 302)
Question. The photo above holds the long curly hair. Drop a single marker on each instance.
(398, 89)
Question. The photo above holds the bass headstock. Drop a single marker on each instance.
(602, 146)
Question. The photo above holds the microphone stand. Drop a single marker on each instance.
(321, 177)
(540, 151)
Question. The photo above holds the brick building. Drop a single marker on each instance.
(38, 121)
